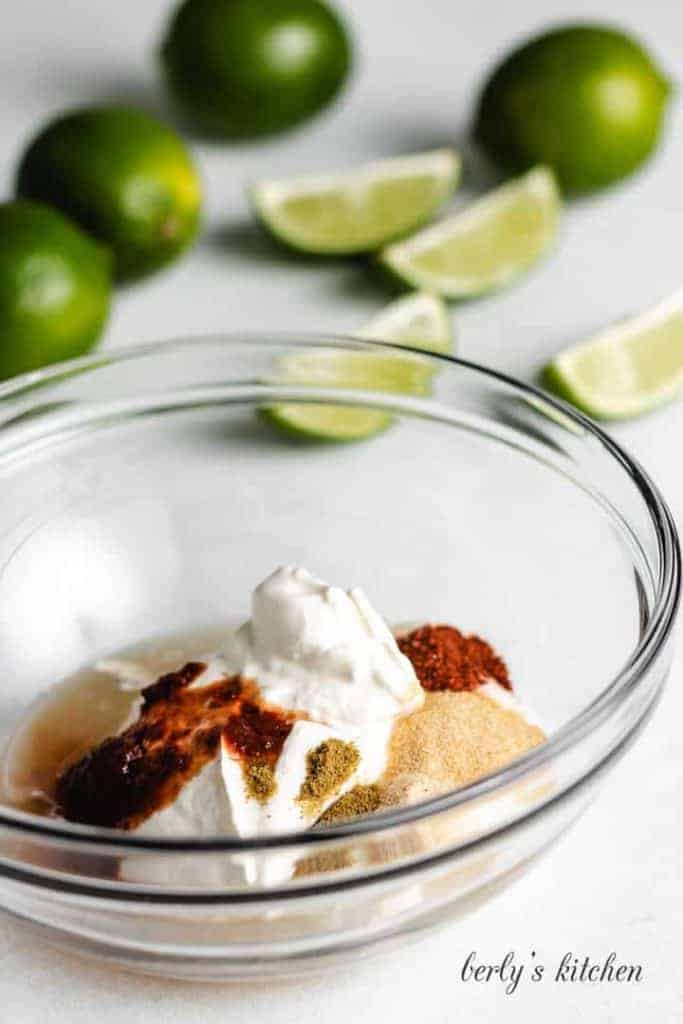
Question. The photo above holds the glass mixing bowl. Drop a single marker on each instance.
(142, 497)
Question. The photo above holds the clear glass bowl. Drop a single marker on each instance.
(142, 496)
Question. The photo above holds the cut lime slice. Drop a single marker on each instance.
(357, 210)
(627, 369)
(486, 245)
(421, 321)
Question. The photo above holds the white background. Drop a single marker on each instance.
(614, 883)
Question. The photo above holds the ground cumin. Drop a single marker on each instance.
(323, 861)
(259, 778)
(446, 659)
(359, 800)
(327, 766)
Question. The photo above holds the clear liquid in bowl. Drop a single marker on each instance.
(81, 711)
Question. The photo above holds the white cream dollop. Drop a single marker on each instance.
(323, 651)
(316, 650)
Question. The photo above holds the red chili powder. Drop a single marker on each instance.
(446, 659)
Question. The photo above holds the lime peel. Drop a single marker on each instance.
(484, 246)
(357, 210)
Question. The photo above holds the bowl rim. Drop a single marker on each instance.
(609, 700)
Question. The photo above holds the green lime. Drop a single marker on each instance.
(55, 286)
(123, 176)
(242, 68)
(585, 100)
(627, 369)
(420, 321)
(484, 246)
(359, 210)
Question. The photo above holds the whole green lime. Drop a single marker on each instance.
(124, 176)
(586, 100)
(55, 286)
(243, 68)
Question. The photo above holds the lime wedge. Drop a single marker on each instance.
(486, 245)
(420, 320)
(357, 210)
(627, 369)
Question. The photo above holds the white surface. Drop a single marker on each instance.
(615, 882)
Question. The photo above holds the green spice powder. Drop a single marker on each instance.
(328, 766)
(260, 780)
(359, 800)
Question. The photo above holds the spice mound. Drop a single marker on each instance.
(458, 737)
(329, 765)
(446, 659)
(469, 726)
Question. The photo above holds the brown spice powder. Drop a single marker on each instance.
(359, 800)
(325, 860)
(327, 766)
(259, 778)
(446, 659)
